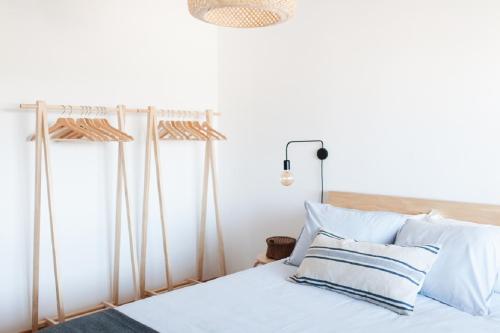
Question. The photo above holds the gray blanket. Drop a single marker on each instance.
(109, 321)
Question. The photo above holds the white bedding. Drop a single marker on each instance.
(262, 300)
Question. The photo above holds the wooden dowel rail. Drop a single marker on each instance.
(112, 110)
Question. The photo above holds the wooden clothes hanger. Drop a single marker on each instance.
(66, 128)
(168, 132)
(87, 127)
(179, 129)
(71, 128)
(162, 131)
(91, 129)
(94, 123)
(198, 127)
(201, 134)
(61, 128)
(190, 135)
(104, 125)
(187, 130)
(86, 124)
(213, 132)
(184, 130)
(208, 131)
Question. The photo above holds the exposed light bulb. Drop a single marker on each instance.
(287, 178)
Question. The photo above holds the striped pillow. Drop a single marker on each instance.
(387, 275)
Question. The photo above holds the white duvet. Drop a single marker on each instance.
(262, 300)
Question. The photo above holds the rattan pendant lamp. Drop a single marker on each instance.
(242, 13)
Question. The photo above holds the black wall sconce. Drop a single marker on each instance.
(287, 178)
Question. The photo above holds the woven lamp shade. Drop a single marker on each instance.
(242, 13)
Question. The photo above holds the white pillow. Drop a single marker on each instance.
(386, 275)
(466, 272)
(375, 227)
(435, 217)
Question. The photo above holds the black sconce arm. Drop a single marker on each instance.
(322, 154)
(304, 141)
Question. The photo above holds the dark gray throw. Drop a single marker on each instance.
(109, 321)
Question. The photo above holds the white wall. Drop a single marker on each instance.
(405, 94)
(98, 53)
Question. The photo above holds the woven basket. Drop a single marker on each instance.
(279, 247)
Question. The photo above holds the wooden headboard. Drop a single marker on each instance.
(478, 213)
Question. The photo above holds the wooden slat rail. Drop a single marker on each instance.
(182, 284)
(71, 315)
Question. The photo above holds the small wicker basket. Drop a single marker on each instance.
(279, 247)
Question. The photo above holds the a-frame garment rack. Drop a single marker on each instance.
(43, 148)
(152, 141)
(42, 152)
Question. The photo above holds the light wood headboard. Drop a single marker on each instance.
(478, 213)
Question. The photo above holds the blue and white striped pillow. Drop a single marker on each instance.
(387, 275)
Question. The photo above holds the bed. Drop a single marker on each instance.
(263, 300)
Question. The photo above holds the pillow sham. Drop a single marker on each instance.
(465, 274)
(386, 275)
(435, 217)
(375, 227)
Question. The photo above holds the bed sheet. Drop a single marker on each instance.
(263, 300)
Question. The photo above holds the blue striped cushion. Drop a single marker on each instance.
(387, 275)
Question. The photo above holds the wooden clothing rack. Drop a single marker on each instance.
(209, 164)
(153, 140)
(42, 154)
(122, 189)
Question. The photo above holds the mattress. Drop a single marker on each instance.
(263, 300)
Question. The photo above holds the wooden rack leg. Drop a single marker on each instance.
(145, 209)
(168, 274)
(215, 186)
(203, 220)
(118, 231)
(131, 233)
(41, 139)
(48, 176)
(36, 228)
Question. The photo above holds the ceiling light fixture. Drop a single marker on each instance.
(242, 13)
